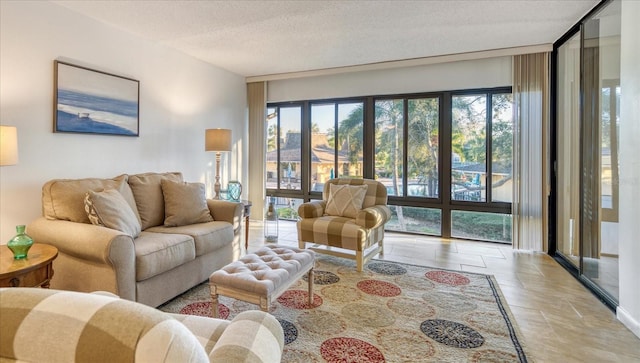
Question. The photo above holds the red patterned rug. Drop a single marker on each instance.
(390, 312)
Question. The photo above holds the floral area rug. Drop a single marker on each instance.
(390, 312)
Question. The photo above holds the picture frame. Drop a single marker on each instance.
(88, 101)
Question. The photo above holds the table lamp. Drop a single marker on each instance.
(217, 140)
(8, 145)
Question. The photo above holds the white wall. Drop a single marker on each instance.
(481, 73)
(629, 267)
(179, 98)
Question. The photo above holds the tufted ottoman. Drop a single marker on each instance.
(262, 276)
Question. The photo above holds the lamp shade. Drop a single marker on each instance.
(217, 140)
(8, 145)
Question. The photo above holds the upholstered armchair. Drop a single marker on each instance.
(348, 221)
(43, 325)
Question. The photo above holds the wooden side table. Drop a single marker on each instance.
(33, 271)
(247, 213)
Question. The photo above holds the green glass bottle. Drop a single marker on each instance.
(20, 244)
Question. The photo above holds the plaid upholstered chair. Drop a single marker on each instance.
(43, 325)
(348, 221)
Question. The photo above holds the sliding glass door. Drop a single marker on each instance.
(568, 150)
(587, 148)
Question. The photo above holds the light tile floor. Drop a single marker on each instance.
(560, 319)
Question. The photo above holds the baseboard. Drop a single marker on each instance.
(628, 321)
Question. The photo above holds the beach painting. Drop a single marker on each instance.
(93, 102)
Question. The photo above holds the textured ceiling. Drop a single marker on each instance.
(255, 38)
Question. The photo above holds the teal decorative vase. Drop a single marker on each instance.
(20, 244)
(234, 190)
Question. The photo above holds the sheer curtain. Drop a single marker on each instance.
(257, 103)
(531, 151)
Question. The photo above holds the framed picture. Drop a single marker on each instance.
(87, 101)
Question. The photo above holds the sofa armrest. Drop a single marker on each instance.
(252, 337)
(98, 248)
(207, 330)
(312, 209)
(373, 216)
(224, 210)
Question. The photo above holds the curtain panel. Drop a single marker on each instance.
(531, 154)
(257, 104)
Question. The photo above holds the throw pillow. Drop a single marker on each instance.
(147, 192)
(184, 203)
(110, 209)
(345, 200)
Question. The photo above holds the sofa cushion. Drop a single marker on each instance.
(207, 236)
(160, 252)
(147, 192)
(108, 208)
(184, 203)
(345, 200)
(64, 198)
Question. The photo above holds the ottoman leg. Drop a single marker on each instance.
(264, 304)
(214, 302)
(310, 278)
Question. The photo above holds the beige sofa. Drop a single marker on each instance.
(141, 247)
(41, 325)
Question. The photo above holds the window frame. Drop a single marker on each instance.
(443, 201)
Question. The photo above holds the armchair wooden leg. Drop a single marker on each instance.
(310, 282)
(359, 261)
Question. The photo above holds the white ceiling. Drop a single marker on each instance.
(256, 38)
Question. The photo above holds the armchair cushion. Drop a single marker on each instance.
(184, 203)
(345, 200)
(108, 208)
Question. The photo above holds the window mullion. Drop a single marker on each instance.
(336, 142)
(405, 146)
(489, 150)
(445, 159)
(278, 147)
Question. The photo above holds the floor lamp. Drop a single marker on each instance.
(218, 140)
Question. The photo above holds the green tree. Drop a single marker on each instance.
(350, 132)
(389, 139)
(423, 143)
(271, 137)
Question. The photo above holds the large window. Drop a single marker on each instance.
(417, 146)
